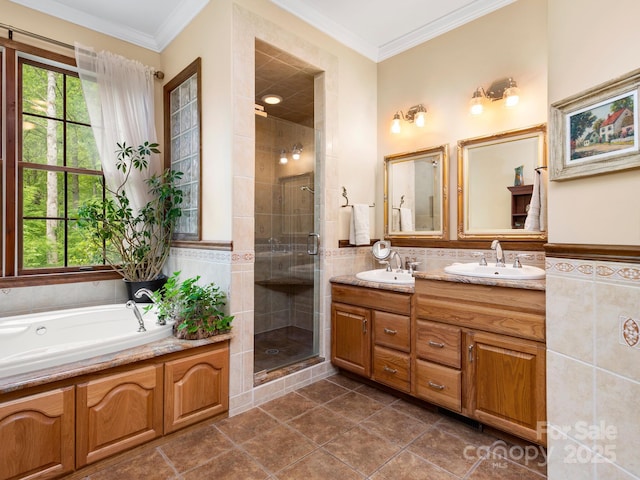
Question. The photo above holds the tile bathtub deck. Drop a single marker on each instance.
(336, 428)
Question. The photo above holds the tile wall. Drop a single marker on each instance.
(593, 369)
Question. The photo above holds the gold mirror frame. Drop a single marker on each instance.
(397, 237)
(464, 147)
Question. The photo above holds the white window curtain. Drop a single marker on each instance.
(119, 93)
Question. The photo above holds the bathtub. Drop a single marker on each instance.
(42, 340)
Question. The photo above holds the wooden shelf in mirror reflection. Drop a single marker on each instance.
(520, 200)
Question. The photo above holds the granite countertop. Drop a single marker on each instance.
(104, 362)
(441, 276)
(493, 282)
(352, 280)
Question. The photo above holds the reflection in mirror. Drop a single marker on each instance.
(415, 194)
(498, 177)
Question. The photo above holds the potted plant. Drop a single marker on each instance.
(136, 243)
(196, 310)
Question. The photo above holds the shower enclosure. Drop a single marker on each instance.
(285, 326)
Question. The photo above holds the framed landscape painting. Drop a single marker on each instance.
(595, 132)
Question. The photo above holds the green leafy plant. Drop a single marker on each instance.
(196, 309)
(136, 244)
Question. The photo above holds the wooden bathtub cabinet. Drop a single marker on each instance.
(118, 412)
(49, 431)
(36, 434)
(195, 388)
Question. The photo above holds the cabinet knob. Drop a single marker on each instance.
(389, 331)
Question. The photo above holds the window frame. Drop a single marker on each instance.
(13, 274)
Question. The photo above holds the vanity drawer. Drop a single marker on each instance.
(439, 385)
(438, 342)
(391, 330)
(391, 368)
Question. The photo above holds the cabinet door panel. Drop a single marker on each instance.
(36, 435)
(351, 338)
(509, 382)
(117, 412)
(196, 388)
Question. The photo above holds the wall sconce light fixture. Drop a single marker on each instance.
(506, 89)
(296, 150)
(283, 157)
(415, 114)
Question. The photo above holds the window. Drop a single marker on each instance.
(51, 168)
(182, 106)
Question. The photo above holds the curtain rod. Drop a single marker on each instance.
(156, 73)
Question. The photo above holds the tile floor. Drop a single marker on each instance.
(337, 428)
(281, 347)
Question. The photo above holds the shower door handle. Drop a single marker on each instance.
(313, 243)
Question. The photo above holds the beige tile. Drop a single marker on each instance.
(279, 447)
(612, 353)
(570, 317)
(407, 466)
(617, 420)
(563, 455)
(362, 450)
(570, 395)
(610, 471)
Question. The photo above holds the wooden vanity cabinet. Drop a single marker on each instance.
(501, 345)
(117, 412)
(36, 434)
(371, 334)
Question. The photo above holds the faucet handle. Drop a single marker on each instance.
(518, 256)
(483, 258)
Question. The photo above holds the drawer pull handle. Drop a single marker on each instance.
(390, 332)
(436, 386)
(436, 344)
(390, 370)
(470, 353)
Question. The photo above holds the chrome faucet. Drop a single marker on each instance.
(392, 255)
(145, 291)
(131, 305)
(495, 245)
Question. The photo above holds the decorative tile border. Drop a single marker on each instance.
(628, 273)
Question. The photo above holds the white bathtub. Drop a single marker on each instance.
(42, 340)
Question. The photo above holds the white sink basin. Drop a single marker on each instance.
(527, 272)
(382, 276)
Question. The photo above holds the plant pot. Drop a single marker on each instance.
(153, 285)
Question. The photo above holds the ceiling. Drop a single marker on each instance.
(377, 29)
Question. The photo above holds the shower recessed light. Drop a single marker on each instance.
(272, 99)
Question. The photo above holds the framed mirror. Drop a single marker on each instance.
(498, 192)
(416, 202)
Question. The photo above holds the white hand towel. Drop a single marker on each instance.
(532, 223)
(359, 230)
(543, 200)
(406, 220)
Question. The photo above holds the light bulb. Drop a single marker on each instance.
(419, 120)
(395, 124)
(511, 96)
(477, 102)
(283, 157)
(296, 151)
